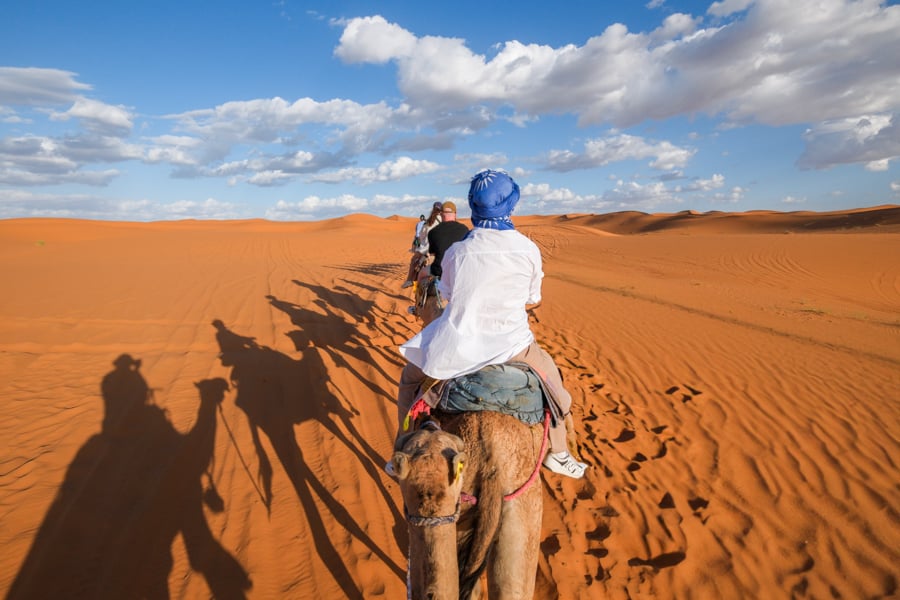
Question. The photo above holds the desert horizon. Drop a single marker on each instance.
(736, 385)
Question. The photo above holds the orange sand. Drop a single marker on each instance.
(736, 381)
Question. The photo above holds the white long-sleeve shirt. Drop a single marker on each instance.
(488, 279)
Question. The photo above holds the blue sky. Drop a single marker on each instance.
(290, 110)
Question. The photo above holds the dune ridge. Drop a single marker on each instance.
(737, 394)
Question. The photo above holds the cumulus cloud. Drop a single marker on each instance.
(627, 195)
(269, 120)
(97, 116)
(316, 207)
(633, 195)
(733, 197)
(36, 160)
(705, 185)
(676, 26)
(395, 170)
(38, 87)
(373, 39)
(872, 139)
(542, 198)
(21, 203)
(602, 151)
(777, 65)
(728, 7)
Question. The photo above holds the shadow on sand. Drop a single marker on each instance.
(277, 392)
(131, 489)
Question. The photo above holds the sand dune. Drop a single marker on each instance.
(736, 381)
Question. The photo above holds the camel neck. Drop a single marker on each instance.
(432, 564)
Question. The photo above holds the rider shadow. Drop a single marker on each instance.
(342, 336)
(131, 489)
(335, 336)
(277, 392)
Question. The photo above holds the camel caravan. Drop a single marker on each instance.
(481, 406)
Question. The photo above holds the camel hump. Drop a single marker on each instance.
(509, 388)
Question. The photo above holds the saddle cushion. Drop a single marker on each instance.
(510, 388)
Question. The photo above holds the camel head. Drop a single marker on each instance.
(429, 466)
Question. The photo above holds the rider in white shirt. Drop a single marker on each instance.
(489, 278)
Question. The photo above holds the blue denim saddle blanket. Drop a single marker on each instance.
(510, 388)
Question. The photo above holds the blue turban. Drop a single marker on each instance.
(492, 197)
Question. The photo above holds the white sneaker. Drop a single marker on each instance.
(564, 463)
(406, 284)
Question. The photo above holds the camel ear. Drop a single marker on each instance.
(400, 464)
(457, 465)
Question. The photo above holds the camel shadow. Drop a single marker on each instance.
(131, 489)
(276, 392)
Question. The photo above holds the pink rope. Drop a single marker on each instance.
(537, 467)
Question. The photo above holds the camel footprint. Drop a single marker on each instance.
(687, 394)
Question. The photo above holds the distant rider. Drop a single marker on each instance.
(420, 249)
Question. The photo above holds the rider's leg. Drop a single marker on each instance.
(559, 434)
(415, 265)
(538, 358)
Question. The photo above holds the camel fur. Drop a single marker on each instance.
(488, 455)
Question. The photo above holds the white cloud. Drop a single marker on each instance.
(36, 160)
(676, 26)
(706, 185)
(871, 139)
(373, 39)
(270, 178)
(781, 63)
(315, 207)
(172, 149)
(733, 197)
(793, 200)
(631, 195)
(98, 116)
(395, 170)
(728, 7)
(206, 209)
(408, 201)
(21, 203)
(542, 198)
(38, 87)
(602, 151)
(627, 195)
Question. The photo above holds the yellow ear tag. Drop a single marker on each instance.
(406, 423)
(459, 468)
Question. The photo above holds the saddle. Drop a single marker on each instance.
(511, 388)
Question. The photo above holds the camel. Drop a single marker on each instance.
(428, 303)
(473, 505)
